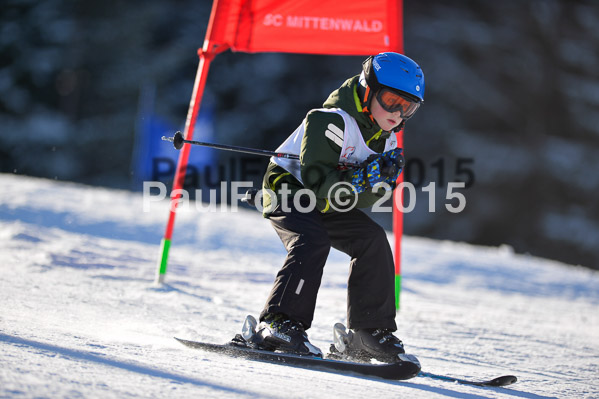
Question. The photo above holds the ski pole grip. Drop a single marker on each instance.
(389, 171)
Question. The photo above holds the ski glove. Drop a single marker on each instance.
(393, 165)
(369, 174)
(378, 168)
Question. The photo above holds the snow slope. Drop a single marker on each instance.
(80, 316)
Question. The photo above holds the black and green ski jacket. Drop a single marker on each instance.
(318, 153)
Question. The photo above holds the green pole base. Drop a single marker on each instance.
(165, 246)
(397, 290)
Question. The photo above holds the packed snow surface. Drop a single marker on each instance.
(82, 317)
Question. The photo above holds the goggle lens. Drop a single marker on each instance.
(391, 101)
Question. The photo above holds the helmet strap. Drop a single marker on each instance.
(365, 95)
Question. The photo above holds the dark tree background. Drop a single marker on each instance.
(511, 105)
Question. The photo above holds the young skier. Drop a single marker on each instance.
(315, 208)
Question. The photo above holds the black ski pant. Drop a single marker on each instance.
(308, 238)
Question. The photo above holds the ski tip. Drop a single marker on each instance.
(495, 382)
(185, 342)
(502, 381)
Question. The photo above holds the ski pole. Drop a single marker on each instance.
(178, 142)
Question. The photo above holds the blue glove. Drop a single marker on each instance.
(369, 174)
(385, 167)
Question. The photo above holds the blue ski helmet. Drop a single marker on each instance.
(395, 71)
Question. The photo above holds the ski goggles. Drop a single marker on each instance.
(392, 101)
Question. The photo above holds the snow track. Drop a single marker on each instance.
(80, 316)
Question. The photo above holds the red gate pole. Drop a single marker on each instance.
(213, 45)
(398, 43)
(194, 107)
(398, 227)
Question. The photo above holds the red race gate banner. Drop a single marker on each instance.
(309, 26)
(330, 27)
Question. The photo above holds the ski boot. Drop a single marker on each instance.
(279, 333)
(366, 344)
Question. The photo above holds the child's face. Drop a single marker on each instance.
(386, 120)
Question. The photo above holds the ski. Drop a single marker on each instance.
(339, 360)
(341, 339)
(405, 368)
(495, 382)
